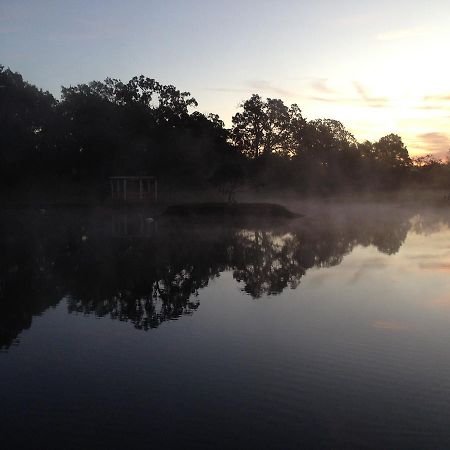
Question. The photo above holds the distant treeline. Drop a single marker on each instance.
(109, 128)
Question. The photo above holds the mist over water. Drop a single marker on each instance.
(329, 330)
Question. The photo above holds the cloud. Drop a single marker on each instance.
(257, 86)
(87, 30)
(432, 107)
(404, 33)
(224, 89)
(363, 97)
(317, 279)
(335, 99)
(436, 102)
(436, 267)
(367, 267)
(7, 29)
(438, 98)
(320, 85)
(442, 301)
(435, 141)
(13, 17)
(392, 325)
(268, 87)
(427, 256)
(375, 102)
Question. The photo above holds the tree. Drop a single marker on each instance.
(427, 161)
(165, 101)
(138, 126)
(392, 152)
(322, 137)
(265, 127)
(26, 117)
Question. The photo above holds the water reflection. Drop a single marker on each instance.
(121, 265)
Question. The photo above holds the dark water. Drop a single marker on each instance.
(330, 331)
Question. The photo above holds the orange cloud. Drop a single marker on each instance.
(392, 325)
(438, 98)
(436, 267)
(442, 301)
(435, 141)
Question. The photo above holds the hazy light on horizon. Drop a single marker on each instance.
(377, 68)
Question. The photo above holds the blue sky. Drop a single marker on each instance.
(378, 67)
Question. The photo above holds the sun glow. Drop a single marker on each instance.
(412, 89)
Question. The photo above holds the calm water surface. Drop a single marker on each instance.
(329, 331)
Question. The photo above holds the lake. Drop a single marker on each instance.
(327, 331)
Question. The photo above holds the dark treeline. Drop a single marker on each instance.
(144, 127)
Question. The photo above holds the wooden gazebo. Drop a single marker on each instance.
(134, 188)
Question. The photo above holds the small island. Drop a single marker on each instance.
(231, 210)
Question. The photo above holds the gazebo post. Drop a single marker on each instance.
(148, 185)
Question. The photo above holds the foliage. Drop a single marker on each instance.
(265, 127)
(111, 127)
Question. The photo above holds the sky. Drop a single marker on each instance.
(378, 67)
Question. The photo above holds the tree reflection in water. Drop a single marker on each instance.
(148, 273)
